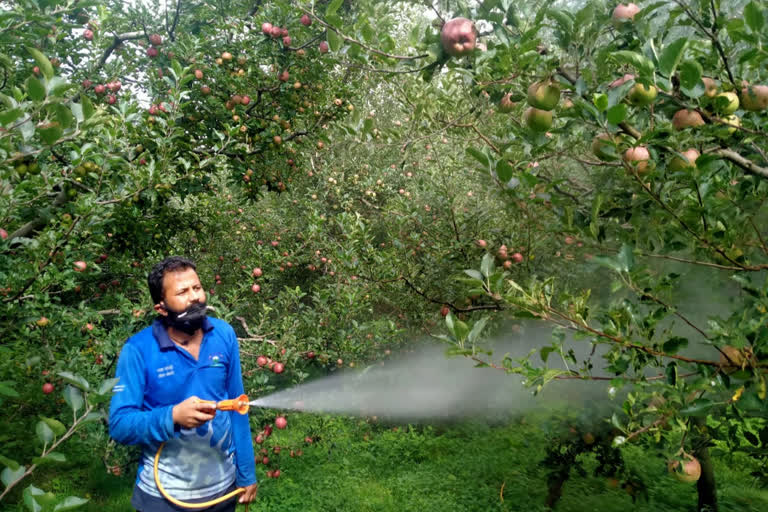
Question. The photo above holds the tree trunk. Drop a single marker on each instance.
(706, 484)
(555, 487)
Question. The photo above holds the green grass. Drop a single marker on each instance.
(358, 467)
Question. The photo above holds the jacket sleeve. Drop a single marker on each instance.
(241, 429)
(129, 423)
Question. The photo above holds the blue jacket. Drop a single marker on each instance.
(155, 374)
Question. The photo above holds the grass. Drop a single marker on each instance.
(359, 467)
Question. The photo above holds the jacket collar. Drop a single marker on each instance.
(160, 332)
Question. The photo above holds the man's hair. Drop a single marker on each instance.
(155, 278)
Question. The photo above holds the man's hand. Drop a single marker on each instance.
(192, 413)
(250, 493)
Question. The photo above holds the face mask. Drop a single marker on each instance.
(189, 320)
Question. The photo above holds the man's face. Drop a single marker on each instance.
(181, 288)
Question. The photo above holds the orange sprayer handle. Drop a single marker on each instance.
(239, 404)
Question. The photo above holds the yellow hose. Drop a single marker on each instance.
(184, 504)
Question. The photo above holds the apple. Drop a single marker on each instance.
(621, 81)
(445, 310)
(257, 272)
(287, 41)
(588, 438)
(731, 123)
(80, 266)
(205, 90)
(689, 472)
(152, 52)
(3, 234)
(481, 243)
(268, 430)
(687, 162)
(277, 140)
(226, 56)
(47, 388)
(87, 84)
(755, 98)
(156, 39)
(306, 20)
(517, 257)
(43, 322)
(726, 103)
(604, 147)
(624, 13)
(506, 105)
(266, 28)
(278, 368)
(255, 288)
(100, 89)
(537, 120)
(88, 35)
(710, 86)
(686, 118)
(308, 440)
(111, 99)
(259, 439)
(276, 473)
(543, 95)
(261, 360)
(640, 95)
(458, 37)
(638, 158)
(198, 74)
(281, 423)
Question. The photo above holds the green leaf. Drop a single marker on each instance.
(88, 109)
(74, 397)
(479, 156)
(35, 89)
(672, 56)
(333, 7)
(8, 391)
(617, 113)
(52, 457)
(75, 380)
(504, 170)
(8, 475)
(55, 425)
(9, 463)
(63, 115)
(671, 373)
(600, 101)
(690, 75)
(486, 266)
(29, 496)
(474, 274)
(460, 330)
(70, 503)
(57, 86)
(563, 20)
(42, 61)
(50, 132)
(626, 258)
(9, 116)
(640, 62)
(753, 15)
(477, 329)
(334, 40)
(107, 385)
(44, 432)
(674, 344)
(699, 407)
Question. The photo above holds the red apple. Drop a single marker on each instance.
(517, 257)
(281, 423)
(88, 35)
(266, 28)
(276, 473)
(458, 37)
(506, 105)
(259, 439)
(445, 310)
(625, 12)
(3, 234)
(255, 288)
(638, 158)
(100, 89)
(688, 161)
(261, 360)
(755, 98)
(685, 118)
(47, 388)
(689, 472)
(278, 368)
(323, 47)
(481, 243)
(80, 266)
(152, 52)
(306, 20)
(156, 39)
(198, 74)
(257, 272)
(287, 41)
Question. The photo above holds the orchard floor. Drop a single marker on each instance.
(355, 466)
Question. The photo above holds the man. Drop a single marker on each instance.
(165, 371)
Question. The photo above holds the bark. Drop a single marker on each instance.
(555, 488)
(706, 484)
